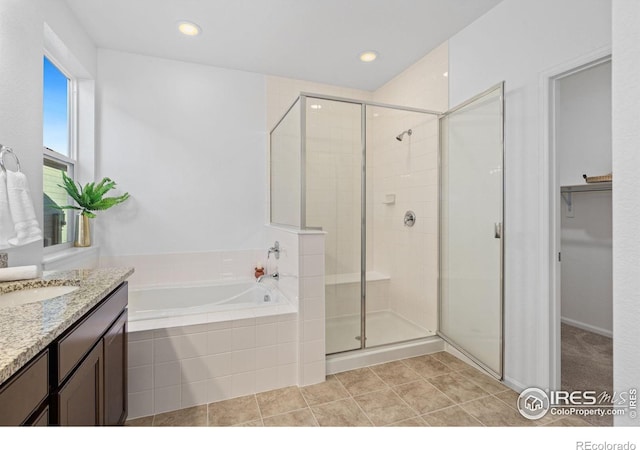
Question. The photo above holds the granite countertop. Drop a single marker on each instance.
(28, 329)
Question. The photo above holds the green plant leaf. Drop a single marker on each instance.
(70, 187)
(104, 186)
(91, 196)
(108, 202)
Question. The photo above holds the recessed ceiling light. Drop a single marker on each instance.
(368, 56)
(446, 74)
(189, 28)
(315, 106)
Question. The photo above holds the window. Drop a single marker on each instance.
(58, 139)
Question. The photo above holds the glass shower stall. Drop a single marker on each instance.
(368, 175)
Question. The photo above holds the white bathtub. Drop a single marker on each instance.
(170, 306)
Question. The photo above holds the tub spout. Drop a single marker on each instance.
(275, 276)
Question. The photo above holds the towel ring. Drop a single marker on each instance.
(7, 150)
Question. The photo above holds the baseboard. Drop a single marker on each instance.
(587, 327)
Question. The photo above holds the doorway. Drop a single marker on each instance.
(581, 230)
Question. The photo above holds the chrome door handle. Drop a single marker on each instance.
(497, 230)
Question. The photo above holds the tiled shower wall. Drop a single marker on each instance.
(407, 172)
(409, 169)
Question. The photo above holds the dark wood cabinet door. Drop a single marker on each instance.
(25, 392)
(115, 372)
(80, 400)
(43, 419)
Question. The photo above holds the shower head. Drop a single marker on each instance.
(401, 135)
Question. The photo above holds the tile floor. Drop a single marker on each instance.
(430, 390)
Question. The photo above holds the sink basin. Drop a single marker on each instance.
(24, 296)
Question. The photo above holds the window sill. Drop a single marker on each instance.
(69, 257)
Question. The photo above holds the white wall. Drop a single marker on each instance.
(626, 191)
(22, 44)
(583, 145)
(516, 41)
(187, 142)
(583, 124)
(587, 291)
(21, 101)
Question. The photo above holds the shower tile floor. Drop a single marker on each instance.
(430, 390)
(383, 327)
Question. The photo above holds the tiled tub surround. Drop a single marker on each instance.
(27, 329)
(181, 366)
(190, 268)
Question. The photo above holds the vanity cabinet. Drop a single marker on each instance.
(91, 369)
(80, 378)
(81, 399)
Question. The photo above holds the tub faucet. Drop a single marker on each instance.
(275, 276)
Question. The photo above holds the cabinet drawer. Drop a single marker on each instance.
(77, 343)
(24, 394)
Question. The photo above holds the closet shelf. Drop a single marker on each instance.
(606, 186)
(566, 191)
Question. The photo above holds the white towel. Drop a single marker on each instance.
(19, 273)
(7, 230)
(22, 212)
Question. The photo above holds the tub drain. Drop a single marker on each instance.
(267, 298)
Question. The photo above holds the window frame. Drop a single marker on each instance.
(70, 161)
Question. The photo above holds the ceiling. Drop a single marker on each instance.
(315, 40)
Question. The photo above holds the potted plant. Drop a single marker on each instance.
(89, 198)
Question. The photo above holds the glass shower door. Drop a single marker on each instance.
(471, 234)
(333, 176)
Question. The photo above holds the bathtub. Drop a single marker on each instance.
(170, 306)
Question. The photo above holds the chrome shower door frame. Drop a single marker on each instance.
(500, 373)
(363, 197)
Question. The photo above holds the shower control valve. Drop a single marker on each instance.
(409, 218)
(275, 250)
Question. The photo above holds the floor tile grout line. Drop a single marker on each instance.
(287, 412)
(453, 406)
(255, 397)
(470, 401)
(404, 401)
(389, 387)
(354, 400)
(315, 419)
(478, 384)
(453, 402)
(438, 389)
(408, 418)
(510, 406)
